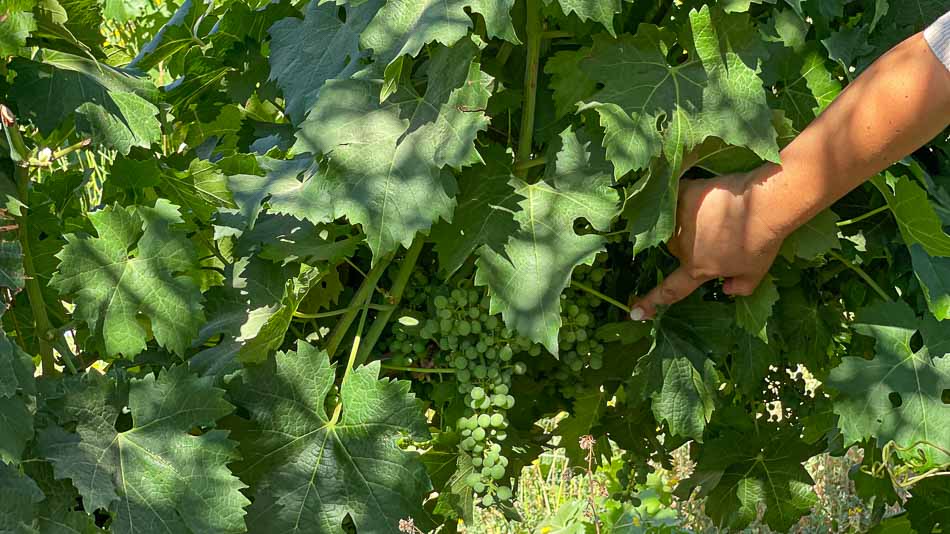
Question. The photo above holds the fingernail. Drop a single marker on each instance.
(637, 314)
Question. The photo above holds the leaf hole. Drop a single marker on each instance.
(945, 396)
(341, 13)
(895, 399)
(916, 342)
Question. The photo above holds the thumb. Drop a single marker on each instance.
(676, 287)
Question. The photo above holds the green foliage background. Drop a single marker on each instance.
(219, 216)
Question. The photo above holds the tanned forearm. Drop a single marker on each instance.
(898, 104)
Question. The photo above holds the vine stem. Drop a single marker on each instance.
(601, 296)
(865, 276)
(335, 313)
(362, 296)
(418, 369)
(863, 216)
(395, 295)
(349, 362)
(34, 292)
(533, 30)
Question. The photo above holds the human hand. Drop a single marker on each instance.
(718, 235)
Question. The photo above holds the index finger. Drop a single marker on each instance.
(674, 288)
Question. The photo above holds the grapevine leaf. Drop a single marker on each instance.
(306, 53)
(252, 293)
(916, 218)
(806, 326)
(933, 273)
(753, 465)
(16, 418)
(16, 26)
(929, 504)
(677, 367)
(385, 159)
(109, 104)
(11, 265)
(134, 266)
(403, 27)
(714, 93)
(56, 514)
(753, 312)
(155, 476)
(803, 84)
(484, 215)
(311, 470)
(897, 394)
(601, 11)
(17, 423)
(586, 412)
(265, 328)
(750, 363)
(814, 238)
(19, 496)
(526, 282)
(569, 82)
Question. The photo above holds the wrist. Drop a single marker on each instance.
(770, 209)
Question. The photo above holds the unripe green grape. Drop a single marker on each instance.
(492, 372)
(463, 328)
(583, 319)
(468, 443)
(478, 434)
(473, 296)
(472, 478)
(499, 400)
(488, 500)
(505, 353)
(490, 459)
(479, 372)
(466, 433)
(463, 375)
(535, 350)
(503, 461)
(485, 403)
(484, 420)
(481, 346)
(511, 402)
(473, 313)
(478, 393)
(501, 389)
(576, 365)
(491, 322)
(573, 310)
(479, 487)
(497, 472)
(497, 420)
(445, 325)
(440, 302)
(477, 462)
(581, 335)
(596, 362)
(520, 368)
(502, 436)
(503, 493)
(478, 448)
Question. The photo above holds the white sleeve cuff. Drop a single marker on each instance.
(938, 37)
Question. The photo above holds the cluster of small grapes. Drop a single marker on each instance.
(464, 336)
(580, 314)
(481, 350)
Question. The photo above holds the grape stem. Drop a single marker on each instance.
(600, 295)
(861, 217)
(363, 295)
(865, 276)
(341, 311)
(418, 369)
(350, 361)
(532, 64)
(33, 290)
(395, 295)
